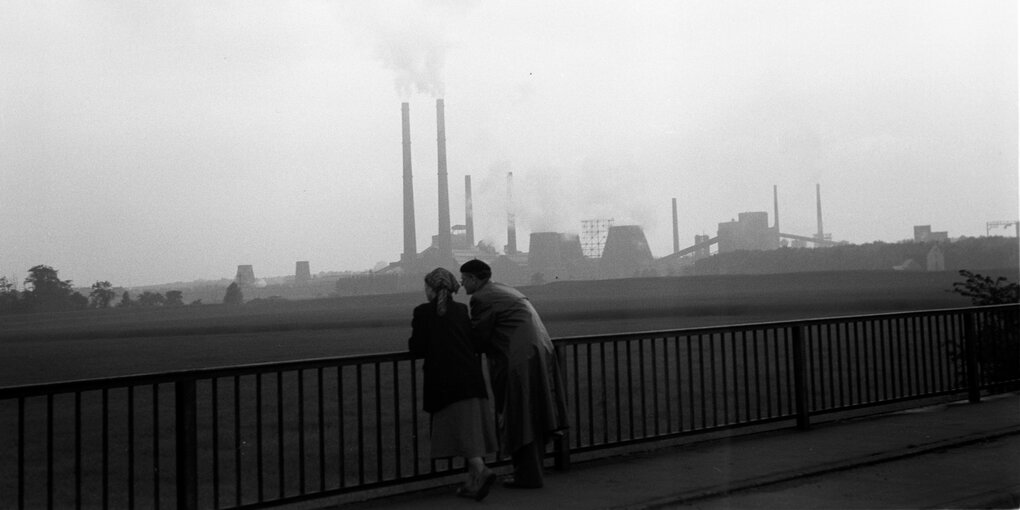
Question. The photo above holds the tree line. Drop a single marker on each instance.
(44, 291)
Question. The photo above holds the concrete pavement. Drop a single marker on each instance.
(722, 473)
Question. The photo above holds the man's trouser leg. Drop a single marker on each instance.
(528, 465)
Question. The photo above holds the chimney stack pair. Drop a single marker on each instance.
(410, 244)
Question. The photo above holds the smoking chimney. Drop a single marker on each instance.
(469, 220)
(444, 190)
(818, 194)
(410, 245)
(676, 230)
(775, 206)
(511, 229)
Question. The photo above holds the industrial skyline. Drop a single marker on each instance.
(163, 143)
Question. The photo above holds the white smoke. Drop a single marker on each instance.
(416, 56)
(413, 40)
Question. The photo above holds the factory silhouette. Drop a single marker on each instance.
(603, 250)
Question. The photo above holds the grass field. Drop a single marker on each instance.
(104, 343)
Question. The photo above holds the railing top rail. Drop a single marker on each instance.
(771, 325)
(277, 366)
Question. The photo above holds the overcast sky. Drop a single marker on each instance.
(153, 142)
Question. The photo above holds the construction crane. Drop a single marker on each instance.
(1004, 224)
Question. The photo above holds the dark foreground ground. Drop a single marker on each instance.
(103, 343)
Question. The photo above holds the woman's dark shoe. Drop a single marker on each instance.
(488, 479)
(465, 492)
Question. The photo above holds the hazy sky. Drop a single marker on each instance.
(152, 142)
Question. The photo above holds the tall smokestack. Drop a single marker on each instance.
(444, 190)
(775, 206)
(410, 245)
(469, 219)
(818, 194)
(511, 229)
(676, 230)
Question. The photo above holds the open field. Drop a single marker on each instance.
(104, 343)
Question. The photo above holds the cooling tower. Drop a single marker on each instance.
(444, 190)
(302, 273)
(626, 253)
(245, 275)
(469, 220)
(410, 245)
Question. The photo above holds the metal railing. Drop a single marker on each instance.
(262, 435)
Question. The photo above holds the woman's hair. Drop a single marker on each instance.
(445, 285)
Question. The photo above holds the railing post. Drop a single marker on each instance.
(971, 344)
(561, 450)
(800, 378)
(186, 436)
(561, 439)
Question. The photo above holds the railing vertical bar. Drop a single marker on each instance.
(813, 365)
(690, 380)
(238, 443)
(859, 377)
(922, 340)
(665, 383)
(378, 423)
(655, 386)
(106, 447)
(738, 394)
(917, 341)
(747, 375)
(768, 372)
(845, 394)
(131, 445)
(902, 353)
(361, 428)
(340, 422)
(396, 419)
(878, 353)
(21, 452)
(280, 464)
(416, 457)
(712, 375)
(679, 387)
(616, 383)
(641, 384)
(882, 337)
(947, 324)
(577, 392)
(791, 380)
(301, 430)
(910, 355)
(725, 387)
(49, 451)
(630, 387)
(605, 393)
(931, 358)
(155, 444)
(77, 449)
(757, 374)
(799, 371)
(831, 401)
(259, 425)
(591, 400)
(701, 375)
(215, 430)
(322, 428)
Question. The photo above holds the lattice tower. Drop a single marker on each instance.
(593, 236)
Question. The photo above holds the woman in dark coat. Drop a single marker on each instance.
(455, 392)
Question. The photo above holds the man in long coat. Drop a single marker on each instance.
(527, 384)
